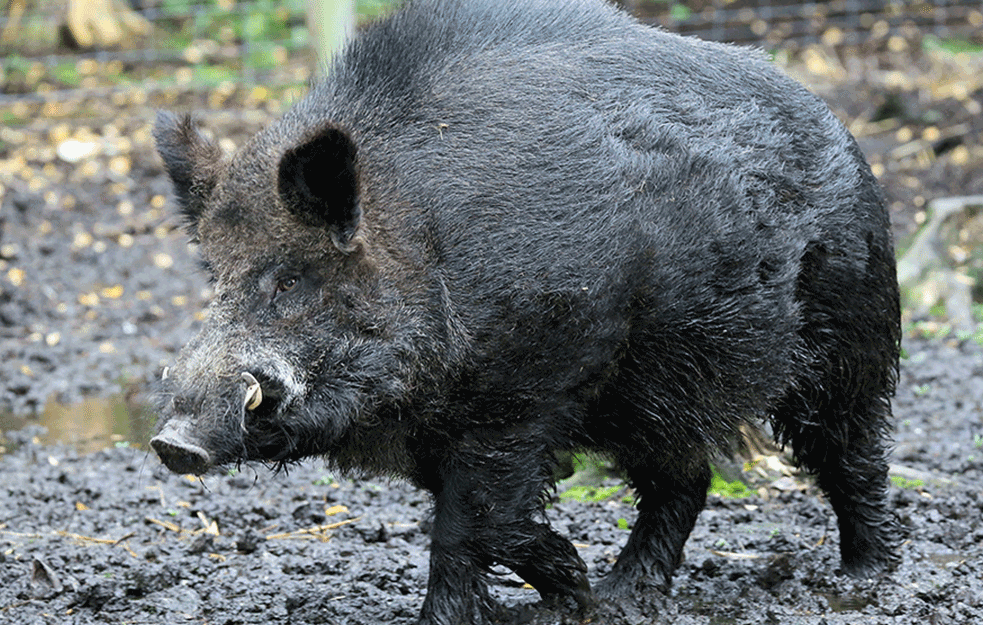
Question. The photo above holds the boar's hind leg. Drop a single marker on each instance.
(847, 452)
(838, 418)
(488, 510)
(668, 507)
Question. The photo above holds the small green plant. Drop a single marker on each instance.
(951, 45)
(938, 310)
(921, 390)
(15, 63)
(680, 12)
(723, 488)
(122, 444)
(976, 334)
(7, 118)
(589, 493)
(584, 461)
(66, 73)
(214, 74)
(903, 482)
(931, 330)
(978, 440)
(623, 524)
(324, 480)
(575, 469)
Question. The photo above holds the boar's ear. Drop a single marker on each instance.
(192, 161)
(319, 184)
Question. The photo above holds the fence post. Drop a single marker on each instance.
(330, 23)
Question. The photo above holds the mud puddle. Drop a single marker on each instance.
(90, 425)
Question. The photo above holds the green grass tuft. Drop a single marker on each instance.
(903, 482)
(589, 493)
(732, 490)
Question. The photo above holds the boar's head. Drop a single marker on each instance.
(309, 337)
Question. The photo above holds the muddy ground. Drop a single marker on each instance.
(99, 289)
(110, 537)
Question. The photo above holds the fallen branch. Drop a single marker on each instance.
(312, 532)
(92, 539)
(947, 205)
(735, 556)
(22, 534)
(165, 524)
(926, 271)
(919, 146)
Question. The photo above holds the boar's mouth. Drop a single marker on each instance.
(248, 429)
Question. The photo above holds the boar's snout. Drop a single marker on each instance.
(177, 449)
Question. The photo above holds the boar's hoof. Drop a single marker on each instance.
(177, 453)
(254, 394)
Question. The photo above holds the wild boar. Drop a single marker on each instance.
(499, 229)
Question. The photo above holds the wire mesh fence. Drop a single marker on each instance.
(175, 44)
(54, 49)
(794, 23)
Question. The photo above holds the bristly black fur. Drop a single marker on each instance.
(502, 228)
(192, 161)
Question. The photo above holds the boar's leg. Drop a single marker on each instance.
(846, 451)
(456, 591)
(668, 507)
(837, 418)
(550, 564)
(488, 510)
(857, 488)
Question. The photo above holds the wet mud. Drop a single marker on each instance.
(112, 537)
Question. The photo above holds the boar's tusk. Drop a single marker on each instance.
(254, 394)
(164, 373)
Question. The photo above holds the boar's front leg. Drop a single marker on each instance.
(488, 510)
(669, 503)
(456, 592)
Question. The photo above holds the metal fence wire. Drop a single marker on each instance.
(185, 43)
(793, 23)
(51, 48)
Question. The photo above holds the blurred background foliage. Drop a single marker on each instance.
(57, 45)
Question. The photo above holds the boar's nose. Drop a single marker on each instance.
(176, 450)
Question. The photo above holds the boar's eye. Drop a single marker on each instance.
(285, 284)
